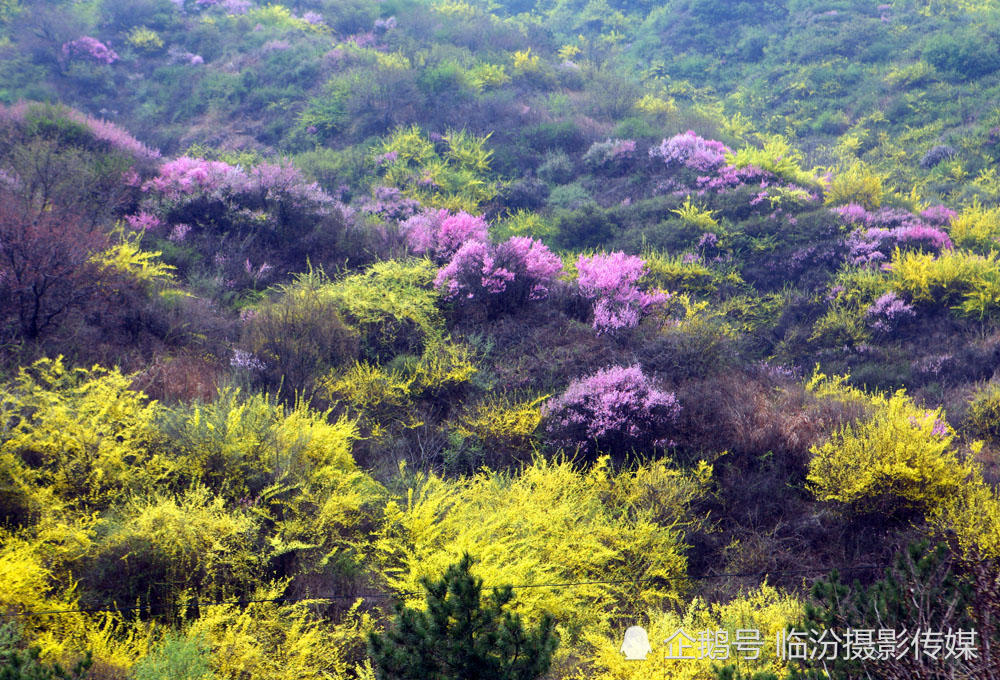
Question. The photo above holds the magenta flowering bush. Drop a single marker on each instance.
(439, 235)
(391, 204)
(187, 176)
(612, 282)
(502, 277)
(938, 215)
(265, 209)
(691, 151)
(617, 409)
(877, 234)
(888, 312)
(86, 47)
(108, 134)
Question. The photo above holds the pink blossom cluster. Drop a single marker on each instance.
(313, 18)
(283, 182)
(180, 56)
(269, 182)
(113, 135)
(691, 151)
(938, 215)
(616, 409)
(612, 282)
(888, 312)
(143, 221)
(878, 233)
(504, 276)
(186, 176)
(102, 130)
(439, 234)
(729, 177)
(236, 6)
(86, 47)
(391, 204)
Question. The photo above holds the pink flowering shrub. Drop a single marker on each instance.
(501, 277)
(86, 47)
(612, 282)
(261, 211)
(439, 234)
(878, 233)
(691, 151)
(187, 176)
(30, 116)
(617, 409)
(938, 215)
(888, 312)
(391, 204)
(113, 136)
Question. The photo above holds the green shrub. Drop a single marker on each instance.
(983, 418)
(178, 658)
(295, 337)
(966, 55)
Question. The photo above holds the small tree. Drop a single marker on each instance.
(461, 637)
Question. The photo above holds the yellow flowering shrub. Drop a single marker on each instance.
(857, 183)
(84, 434)
(764, 609)
(144, 39)
(550, 523)
(901, 459)
(162, 550)
(272, 641)
(976, 227)
(239, 445)
(973, 517)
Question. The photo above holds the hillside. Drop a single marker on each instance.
(682, 315)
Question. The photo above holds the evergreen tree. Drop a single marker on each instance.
(461, 636)
(24, 664)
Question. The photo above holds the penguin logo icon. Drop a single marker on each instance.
(636, 644)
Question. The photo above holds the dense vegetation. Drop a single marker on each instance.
(680, 314)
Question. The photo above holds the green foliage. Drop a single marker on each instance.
(298, 335)
(179, 658)
(18, 664)
(924, 589)
(966, 55)
(900, 461)
(457, 634)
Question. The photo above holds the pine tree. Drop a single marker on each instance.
(461, 636)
